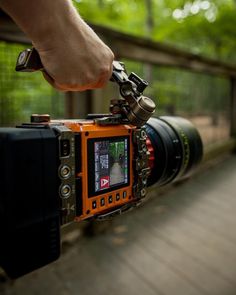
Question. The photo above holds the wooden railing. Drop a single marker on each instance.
(146, 51)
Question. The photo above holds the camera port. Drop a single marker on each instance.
(65, 191)
(65, 147)
(65, 172)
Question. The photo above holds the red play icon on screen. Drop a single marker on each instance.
(104, 182)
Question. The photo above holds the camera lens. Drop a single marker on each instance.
(175, 148)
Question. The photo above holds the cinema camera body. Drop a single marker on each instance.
(55, 172)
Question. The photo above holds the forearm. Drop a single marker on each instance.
(73, 55)
(41, 20)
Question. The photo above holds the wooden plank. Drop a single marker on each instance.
(77, 104)
(9, 32)
(172, 245)
(219, 148)
(156, 53)
(154, 270)
(165, 252)
(88, 268)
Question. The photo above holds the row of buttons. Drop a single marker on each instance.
(110, 200)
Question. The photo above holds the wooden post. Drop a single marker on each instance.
(233, 108)
(77, 104)
(101, 98)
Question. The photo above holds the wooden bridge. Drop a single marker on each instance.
(182, 241)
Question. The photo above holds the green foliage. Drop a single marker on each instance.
(126, 16)
(24, 93)
(209, 32)
(205, 27)
(116, 149)
(200, 26)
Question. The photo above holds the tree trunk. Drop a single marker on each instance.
(149, 29)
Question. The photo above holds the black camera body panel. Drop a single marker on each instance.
(41, 160)
(29, 203)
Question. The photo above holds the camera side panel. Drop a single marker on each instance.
(29, 203)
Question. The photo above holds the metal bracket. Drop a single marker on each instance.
(137, 108)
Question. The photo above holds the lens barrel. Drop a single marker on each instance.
(176, 149)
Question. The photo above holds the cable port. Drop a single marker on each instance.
(65, 191)
(65, 172)
(65, 147)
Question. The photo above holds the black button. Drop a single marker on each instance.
(102, 202)
(124, 194)
(94, 204)
(117, 197)
(110, 199)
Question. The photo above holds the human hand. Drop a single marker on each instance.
(72, 54)
(76, 60)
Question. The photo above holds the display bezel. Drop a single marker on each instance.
(91, 165)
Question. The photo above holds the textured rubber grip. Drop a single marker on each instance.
(29, 61)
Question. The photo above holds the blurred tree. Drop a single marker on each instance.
(202, 26)
(205, 27)
(149, 30)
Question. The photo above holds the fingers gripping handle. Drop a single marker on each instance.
(140, 107)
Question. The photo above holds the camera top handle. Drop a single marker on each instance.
(134, 109)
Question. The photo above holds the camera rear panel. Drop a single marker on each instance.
(104, 174)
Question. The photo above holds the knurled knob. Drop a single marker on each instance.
(147, 104)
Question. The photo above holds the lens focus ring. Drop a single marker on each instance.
(176, 148)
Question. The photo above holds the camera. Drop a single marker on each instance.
(54, 172)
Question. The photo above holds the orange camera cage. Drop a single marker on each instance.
(104, 202)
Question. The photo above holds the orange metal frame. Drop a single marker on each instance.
(89, 130)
